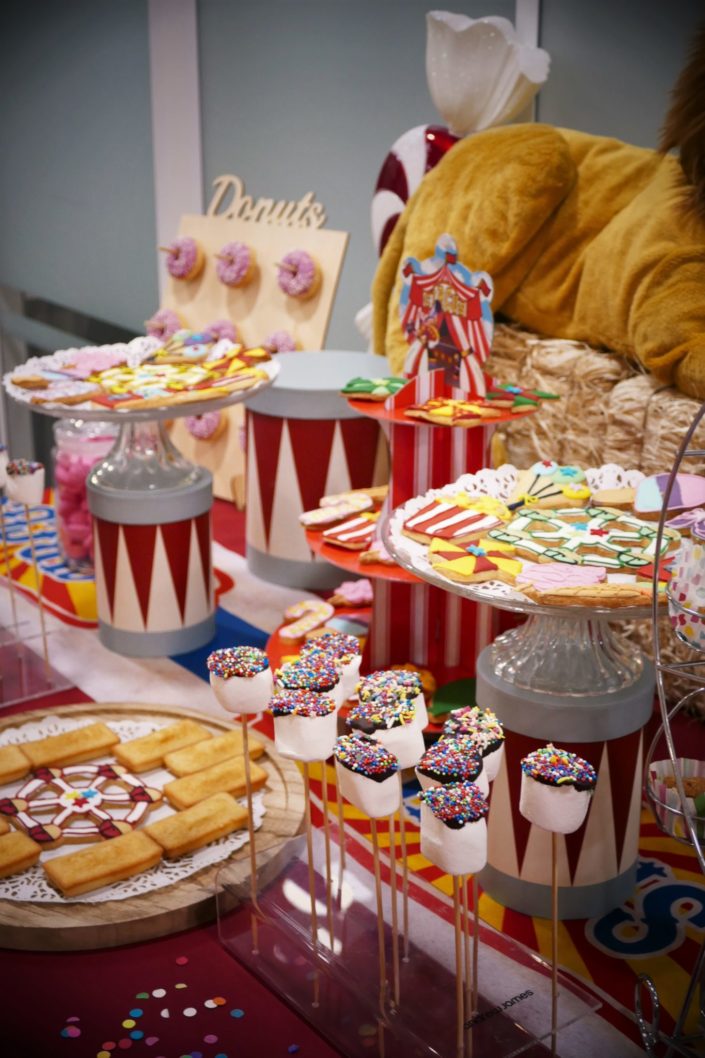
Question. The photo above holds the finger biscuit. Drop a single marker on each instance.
(142, 754)
(212, 751)
(14, 764)
(71, 747)
(17, 853)
(195, 827)
(4, 826)
(99, 865)
(228, 777)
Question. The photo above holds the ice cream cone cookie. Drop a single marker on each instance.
(368, 775)
(450, 760)
(344, 650)
(391, 719)
(408, 683)
(305, 724)
(241, 679)
(163, 324)
(184, 258)
(454, 828)
(25, 481)
(556, 787)
(484, 729)
(318, 674)
(298, 275)
(235, 264)
(280, 342)
(475, 563)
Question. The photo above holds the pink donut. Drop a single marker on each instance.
(222, 329)
(298, 275)
(280, 342)
(184, 258)
(235, 264)
(205, 427)
(163, 324)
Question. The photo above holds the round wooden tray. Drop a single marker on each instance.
(191, 902)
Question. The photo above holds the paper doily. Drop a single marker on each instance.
(32, 885)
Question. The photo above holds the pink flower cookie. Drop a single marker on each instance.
(163, 324)
(547, 576)
(352, 593)
(185, 258)
(235, 264)
(298, 275)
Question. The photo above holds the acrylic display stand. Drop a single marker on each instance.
(334, 984)
(24, 673)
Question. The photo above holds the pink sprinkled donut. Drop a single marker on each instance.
(280, 342)
(298, 275)
(163, 324)
(206, 427)
(235, 264)
(184, 258)
(222, 329)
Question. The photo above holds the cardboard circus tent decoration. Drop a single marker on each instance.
(446, 317)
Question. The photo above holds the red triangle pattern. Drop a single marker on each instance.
(203, 535)
(108, 534)
(177, 544)
(140, 541)
(267, 432)
(623, 755)
(515, 748)
(360, 441)
(591, 752)
(311, 443)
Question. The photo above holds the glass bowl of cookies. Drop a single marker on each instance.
(664, 800)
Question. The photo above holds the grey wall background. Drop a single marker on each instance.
(296, 95)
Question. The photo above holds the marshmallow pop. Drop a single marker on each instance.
(407, 683)
(485, 730)
(556, 787)
(344, 650)
(368, 775)
(451, 760)
(453, 828)
(241, 679)
(321, 675)
(391, 719)
(305, 724)
(25, 481)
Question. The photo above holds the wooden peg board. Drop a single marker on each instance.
(258, 309)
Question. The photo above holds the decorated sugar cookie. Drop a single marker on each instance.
(458, 520)
(485, 560)
(548, 484)
(688, 491)
(356, 534)
(377, 389)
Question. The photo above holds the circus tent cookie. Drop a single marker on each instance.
(452, 759)
(298, 275)
(356, 534)
(241, 679)
(236, 264)
(556, 787)
(344, 650)
(485, 730)
(25, 481)
(322, 675)
(305, 724)
(368, 775)
(487, 559)
(390, 718)
(184, 258)
(454, 828)
(458, 519)
(407, 683)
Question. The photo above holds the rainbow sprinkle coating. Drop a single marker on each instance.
(383, 712)
(451, 760)
(309, 675)
(338, 645)
(237, 661)
(365, 756)
(22, 468)
(457, 804)
(407, 683)
(480, 724)
(558, 767)
(300, 703)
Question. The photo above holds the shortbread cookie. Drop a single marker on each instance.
(142, 754)
(474, 563)
(100, 865)
(4, 826)
(14, 764)
(212, 751)
(693, 786)
(609, 595)
(195, 827)
(457, 519)
(227, 777)
(71, 747)
(17, 853)
(356, 534)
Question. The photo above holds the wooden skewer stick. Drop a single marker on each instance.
(326, 838)
(341, 829)
(8, 571)
(465, 896)
(40, 604)
(405, 883)
(395, 917)
(459, 1003)
(287, 267)
(475, 941)
(251, 832)
(554, 942)
(380, 919)
(311, 876)
(165, 249)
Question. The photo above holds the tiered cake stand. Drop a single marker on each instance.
(564, 677)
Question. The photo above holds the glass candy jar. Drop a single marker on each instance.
(78, 446)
